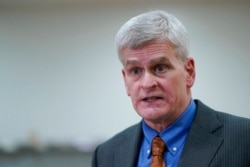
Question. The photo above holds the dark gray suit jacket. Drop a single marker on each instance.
(215, 139)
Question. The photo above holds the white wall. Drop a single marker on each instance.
(60, 76)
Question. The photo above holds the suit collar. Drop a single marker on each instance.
(129, 148)
(201, 144)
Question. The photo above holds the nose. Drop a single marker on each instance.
(148, 81)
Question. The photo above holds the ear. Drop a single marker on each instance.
(190, 69)
(125, 81)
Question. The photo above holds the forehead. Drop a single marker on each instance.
(152, 52)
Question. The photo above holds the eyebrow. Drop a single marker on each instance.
(159, 60)
(153, 61)
(132, 62)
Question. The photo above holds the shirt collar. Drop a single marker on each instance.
(175, 135)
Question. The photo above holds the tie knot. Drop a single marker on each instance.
(158, 146)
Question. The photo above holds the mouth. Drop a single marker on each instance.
(152, 98)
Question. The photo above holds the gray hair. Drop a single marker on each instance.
(155, 25)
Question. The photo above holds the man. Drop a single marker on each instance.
(158, 75)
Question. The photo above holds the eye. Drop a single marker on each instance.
(135, 71)
(160, 68)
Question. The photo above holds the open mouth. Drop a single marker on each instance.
(152, 98)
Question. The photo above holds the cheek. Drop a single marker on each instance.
(128, 84)
(173, 85)
(131, 88)
(133, 92)
(135, 101)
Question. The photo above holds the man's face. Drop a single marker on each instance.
(158, 81)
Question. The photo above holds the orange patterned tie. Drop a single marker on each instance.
(158, 148)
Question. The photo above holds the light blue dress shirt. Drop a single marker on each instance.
(174, 137)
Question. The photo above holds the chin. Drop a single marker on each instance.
(151, 113)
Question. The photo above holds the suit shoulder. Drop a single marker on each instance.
(235, 122)
(228, 121)
(123, 144)
(131, 131)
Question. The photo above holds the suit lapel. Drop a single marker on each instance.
(127, 153)
(201, 144)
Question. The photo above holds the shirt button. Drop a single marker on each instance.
(174, 149)
(148, 151)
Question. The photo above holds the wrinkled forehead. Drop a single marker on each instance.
(149, 52)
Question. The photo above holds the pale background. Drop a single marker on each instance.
(60, 78)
